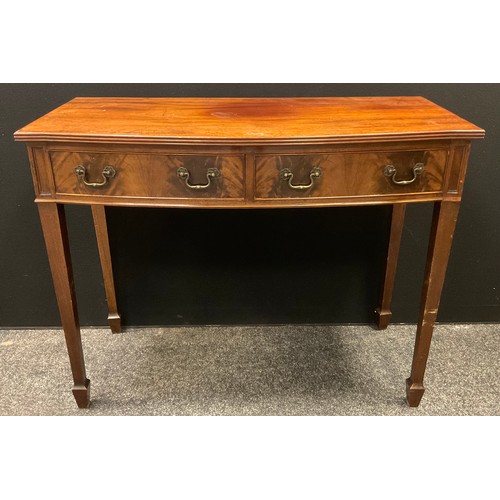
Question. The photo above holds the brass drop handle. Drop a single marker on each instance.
(390, 171)
(287, 175)
(212, 173)
(107, 173)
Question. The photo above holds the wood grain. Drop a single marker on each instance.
(146, 175)
(458, 168)
(250, 141)
(443, 226)
(56, 239)
(349, 174)
(250, 121)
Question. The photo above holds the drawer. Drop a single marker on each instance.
(349, 174)
(148, 175)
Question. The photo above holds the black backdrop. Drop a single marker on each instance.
(234, 267)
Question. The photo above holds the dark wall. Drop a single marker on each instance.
(230, 267)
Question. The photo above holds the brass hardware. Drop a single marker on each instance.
(390, 171)
(287, 175)
(212, 173)
(107, 173)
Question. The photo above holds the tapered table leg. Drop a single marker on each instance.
(54, 230)
(443, 226)
(383, 313)
(101, 231)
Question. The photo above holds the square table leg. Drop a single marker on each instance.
(53, 222)
(101, 231)
(383, 312)
(443, 226)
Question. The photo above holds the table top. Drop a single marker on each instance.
(248, 121)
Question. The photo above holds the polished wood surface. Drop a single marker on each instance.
(443, 226)
(146, 175)
(55, 233)
(248, 121)
(250, 142)
(383, 312)
(349, 174)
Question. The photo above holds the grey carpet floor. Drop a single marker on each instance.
(261, 370)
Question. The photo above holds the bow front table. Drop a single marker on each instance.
(248, 153)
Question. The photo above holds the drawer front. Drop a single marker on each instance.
(148, 175)
(349, 174)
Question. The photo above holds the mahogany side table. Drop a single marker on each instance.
(248, 153)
